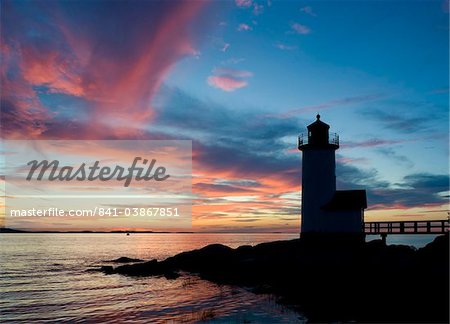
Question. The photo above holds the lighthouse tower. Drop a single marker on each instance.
(325, 210)
(318, 174)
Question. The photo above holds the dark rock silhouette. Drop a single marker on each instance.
(125, 260)
(107, 269)
(327, 280)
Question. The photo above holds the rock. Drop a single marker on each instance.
(107, 269)
(125, 260)
(171, 275)
(149, 268)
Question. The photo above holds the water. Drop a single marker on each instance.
(44, 278)
(416, 240)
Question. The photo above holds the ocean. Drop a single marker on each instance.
(44, 278)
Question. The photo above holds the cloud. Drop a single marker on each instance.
(244, 27)
(244, 3)
(219, 190)
(225, 47)
(347, 160)
(258, 9)
(228, 79)
(332, 104)
(349, 176)
(78, 50)
(427, 181)
(219, 133)
(373, 142)
(420, 189)
(233, 73)
(401, 122)
(300, 29)
(219, 43)
(233, 60)
(44, 66)
(393, 155)
(415, 190)
(226, 83)
(308, 10)
(285, 47)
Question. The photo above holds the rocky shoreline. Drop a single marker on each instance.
(330, 280)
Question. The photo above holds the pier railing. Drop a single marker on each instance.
(333, 139)
(407, 227)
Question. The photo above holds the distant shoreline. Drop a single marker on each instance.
(16, 231)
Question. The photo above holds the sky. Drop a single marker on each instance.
(242, 79)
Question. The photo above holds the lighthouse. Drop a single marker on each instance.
(324, 209)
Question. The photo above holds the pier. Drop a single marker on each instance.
(435, 227)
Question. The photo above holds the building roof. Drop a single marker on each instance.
(347, 200)
(318, 124)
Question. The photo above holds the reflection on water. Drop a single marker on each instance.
(44, 278)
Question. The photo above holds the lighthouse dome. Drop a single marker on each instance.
(318, 132)
(318, 124)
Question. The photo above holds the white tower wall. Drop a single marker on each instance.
(318, 186)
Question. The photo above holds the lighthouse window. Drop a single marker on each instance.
(309, 133)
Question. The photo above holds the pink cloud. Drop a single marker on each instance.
(22, 112)
(137, 81)
(244, 3)
(50, 68)
(229, 79)
(226, 83)
(300, 29)
(82, 60)
(244, 27)
(347, 160)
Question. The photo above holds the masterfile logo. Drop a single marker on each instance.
(94, 172)
(98, 185)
